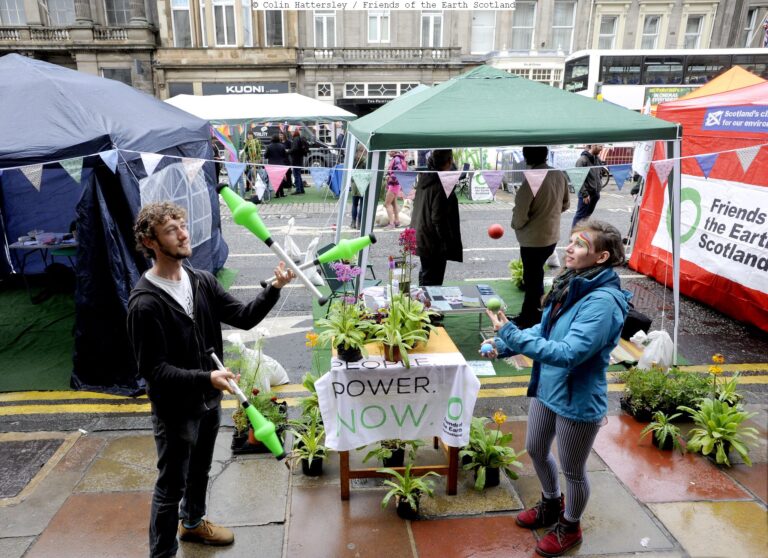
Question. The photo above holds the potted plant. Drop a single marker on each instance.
(646, 392)
(308, 447)
(405, 324)
(666, 434)
(516, 272)
(346, 328)
(266, 403)
(718, 430)
(407, 243)
(392, 452)
(407, 490)
(489, 452)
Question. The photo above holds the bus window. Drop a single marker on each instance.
(663, 70)
(755, 63)
(576, 74)
(620, 70)
(701, 68)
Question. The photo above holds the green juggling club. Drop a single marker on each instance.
(263, 430)
(346, 249)
(246, 215)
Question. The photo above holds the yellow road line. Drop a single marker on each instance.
(760, 367)
(53, 395)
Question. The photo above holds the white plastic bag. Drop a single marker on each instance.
(265, 371)
(658, 352)
(311, 254)
(290, 246)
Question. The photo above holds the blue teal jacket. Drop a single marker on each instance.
(571, 352)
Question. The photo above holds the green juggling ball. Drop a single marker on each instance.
(493, 304)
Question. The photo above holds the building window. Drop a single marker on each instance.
(549, 76)
(650, 31)
(405, 87)
(182, 34)
(483, 31)
(12, 12)
(523, 22)
(607, 38)
(224, 22)
(381, 90)
(562, 25)
(247, 15)
(354, 90)
(378, 26)
(431, 29)
(203, 25)
(273, 28)
(749, 30)
(118, 74)
(325, 28)
(693, 31)
(118, 12)
(324, 91)
(61, 12)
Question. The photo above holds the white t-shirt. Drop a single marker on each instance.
(180, 291)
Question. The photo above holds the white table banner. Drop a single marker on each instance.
(372, 399)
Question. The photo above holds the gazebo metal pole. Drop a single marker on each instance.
(349, 160)
(369, 212)
(676, 188)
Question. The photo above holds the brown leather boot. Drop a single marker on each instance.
(207, 533)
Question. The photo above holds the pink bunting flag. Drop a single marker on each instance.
(192, 167)
(535, 177)
(663, 168)
(493, 179)
(276, 174)
(747, 155)
(449, 179)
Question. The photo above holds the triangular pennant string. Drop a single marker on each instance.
(276, 174)
(361, 178)
(74, 168)
(406, 180)
(110, 159)
(747, 155)
(535, 177)
(493, 179)
(706, 162)
(663, 168)
(620, 173)
(320, 175)
(234, 172)
(33, 173)
(150, 161)
(260, 187)
(192, 167)
(577, 176)
(449, 179)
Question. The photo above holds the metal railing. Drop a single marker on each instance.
(378, 54)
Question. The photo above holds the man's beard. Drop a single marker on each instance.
(178, 254)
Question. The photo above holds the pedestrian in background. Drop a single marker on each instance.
(435, 217)
(175, 315)
(589, 194)
(396, 163)
(583, 317)
(299, 150)
(276, 154)
(361, 162)
(536, 222)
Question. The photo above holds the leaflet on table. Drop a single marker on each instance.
(445, 292)
(482, 367)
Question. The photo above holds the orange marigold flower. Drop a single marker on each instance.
(718, 358)
(311, 339)
(715, 370)
(499, 417)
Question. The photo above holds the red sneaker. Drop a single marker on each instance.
(560, 539)
(544, 514)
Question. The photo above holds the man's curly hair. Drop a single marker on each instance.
(154, 214)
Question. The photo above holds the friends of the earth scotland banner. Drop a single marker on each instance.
(372, 399)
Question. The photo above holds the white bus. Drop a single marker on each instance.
(630, 77)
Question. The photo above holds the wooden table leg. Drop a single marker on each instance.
(344, 474)
(453, 471)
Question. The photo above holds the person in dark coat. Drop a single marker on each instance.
(589, 194)
(436, 220)
(297, 160)
(276, 154)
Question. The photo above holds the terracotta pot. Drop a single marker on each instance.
(349, 355)
(313, 470)
(397, 459)
(392, 353)
(405, 511)
(252, 438)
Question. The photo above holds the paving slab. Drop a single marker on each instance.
(110, 525)
(614, 522)
(323, 526)
(469, 501)
(262, 541)
(15, 547)
(491, 536)
(754, 479)
(660, 476)
(21, 460)
(716, 529)
(126, 463)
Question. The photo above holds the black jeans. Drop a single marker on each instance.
(584, 210)
(184, 455)
(533, 278)
(297, 180)
(432, 271)
(357, 208)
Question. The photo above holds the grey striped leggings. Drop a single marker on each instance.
(574, 442)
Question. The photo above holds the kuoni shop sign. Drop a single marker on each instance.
(724, 229)
(240, 88)
(659, 95)
(746, 118)
(371, 400)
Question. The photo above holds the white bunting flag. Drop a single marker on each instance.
(110, 159)
(449, 179)
(150, 161)
(34, 174)
(535, 177)
(74, 168)
(493, 179)
(192, 167)
(747, 155)
(663, 168)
